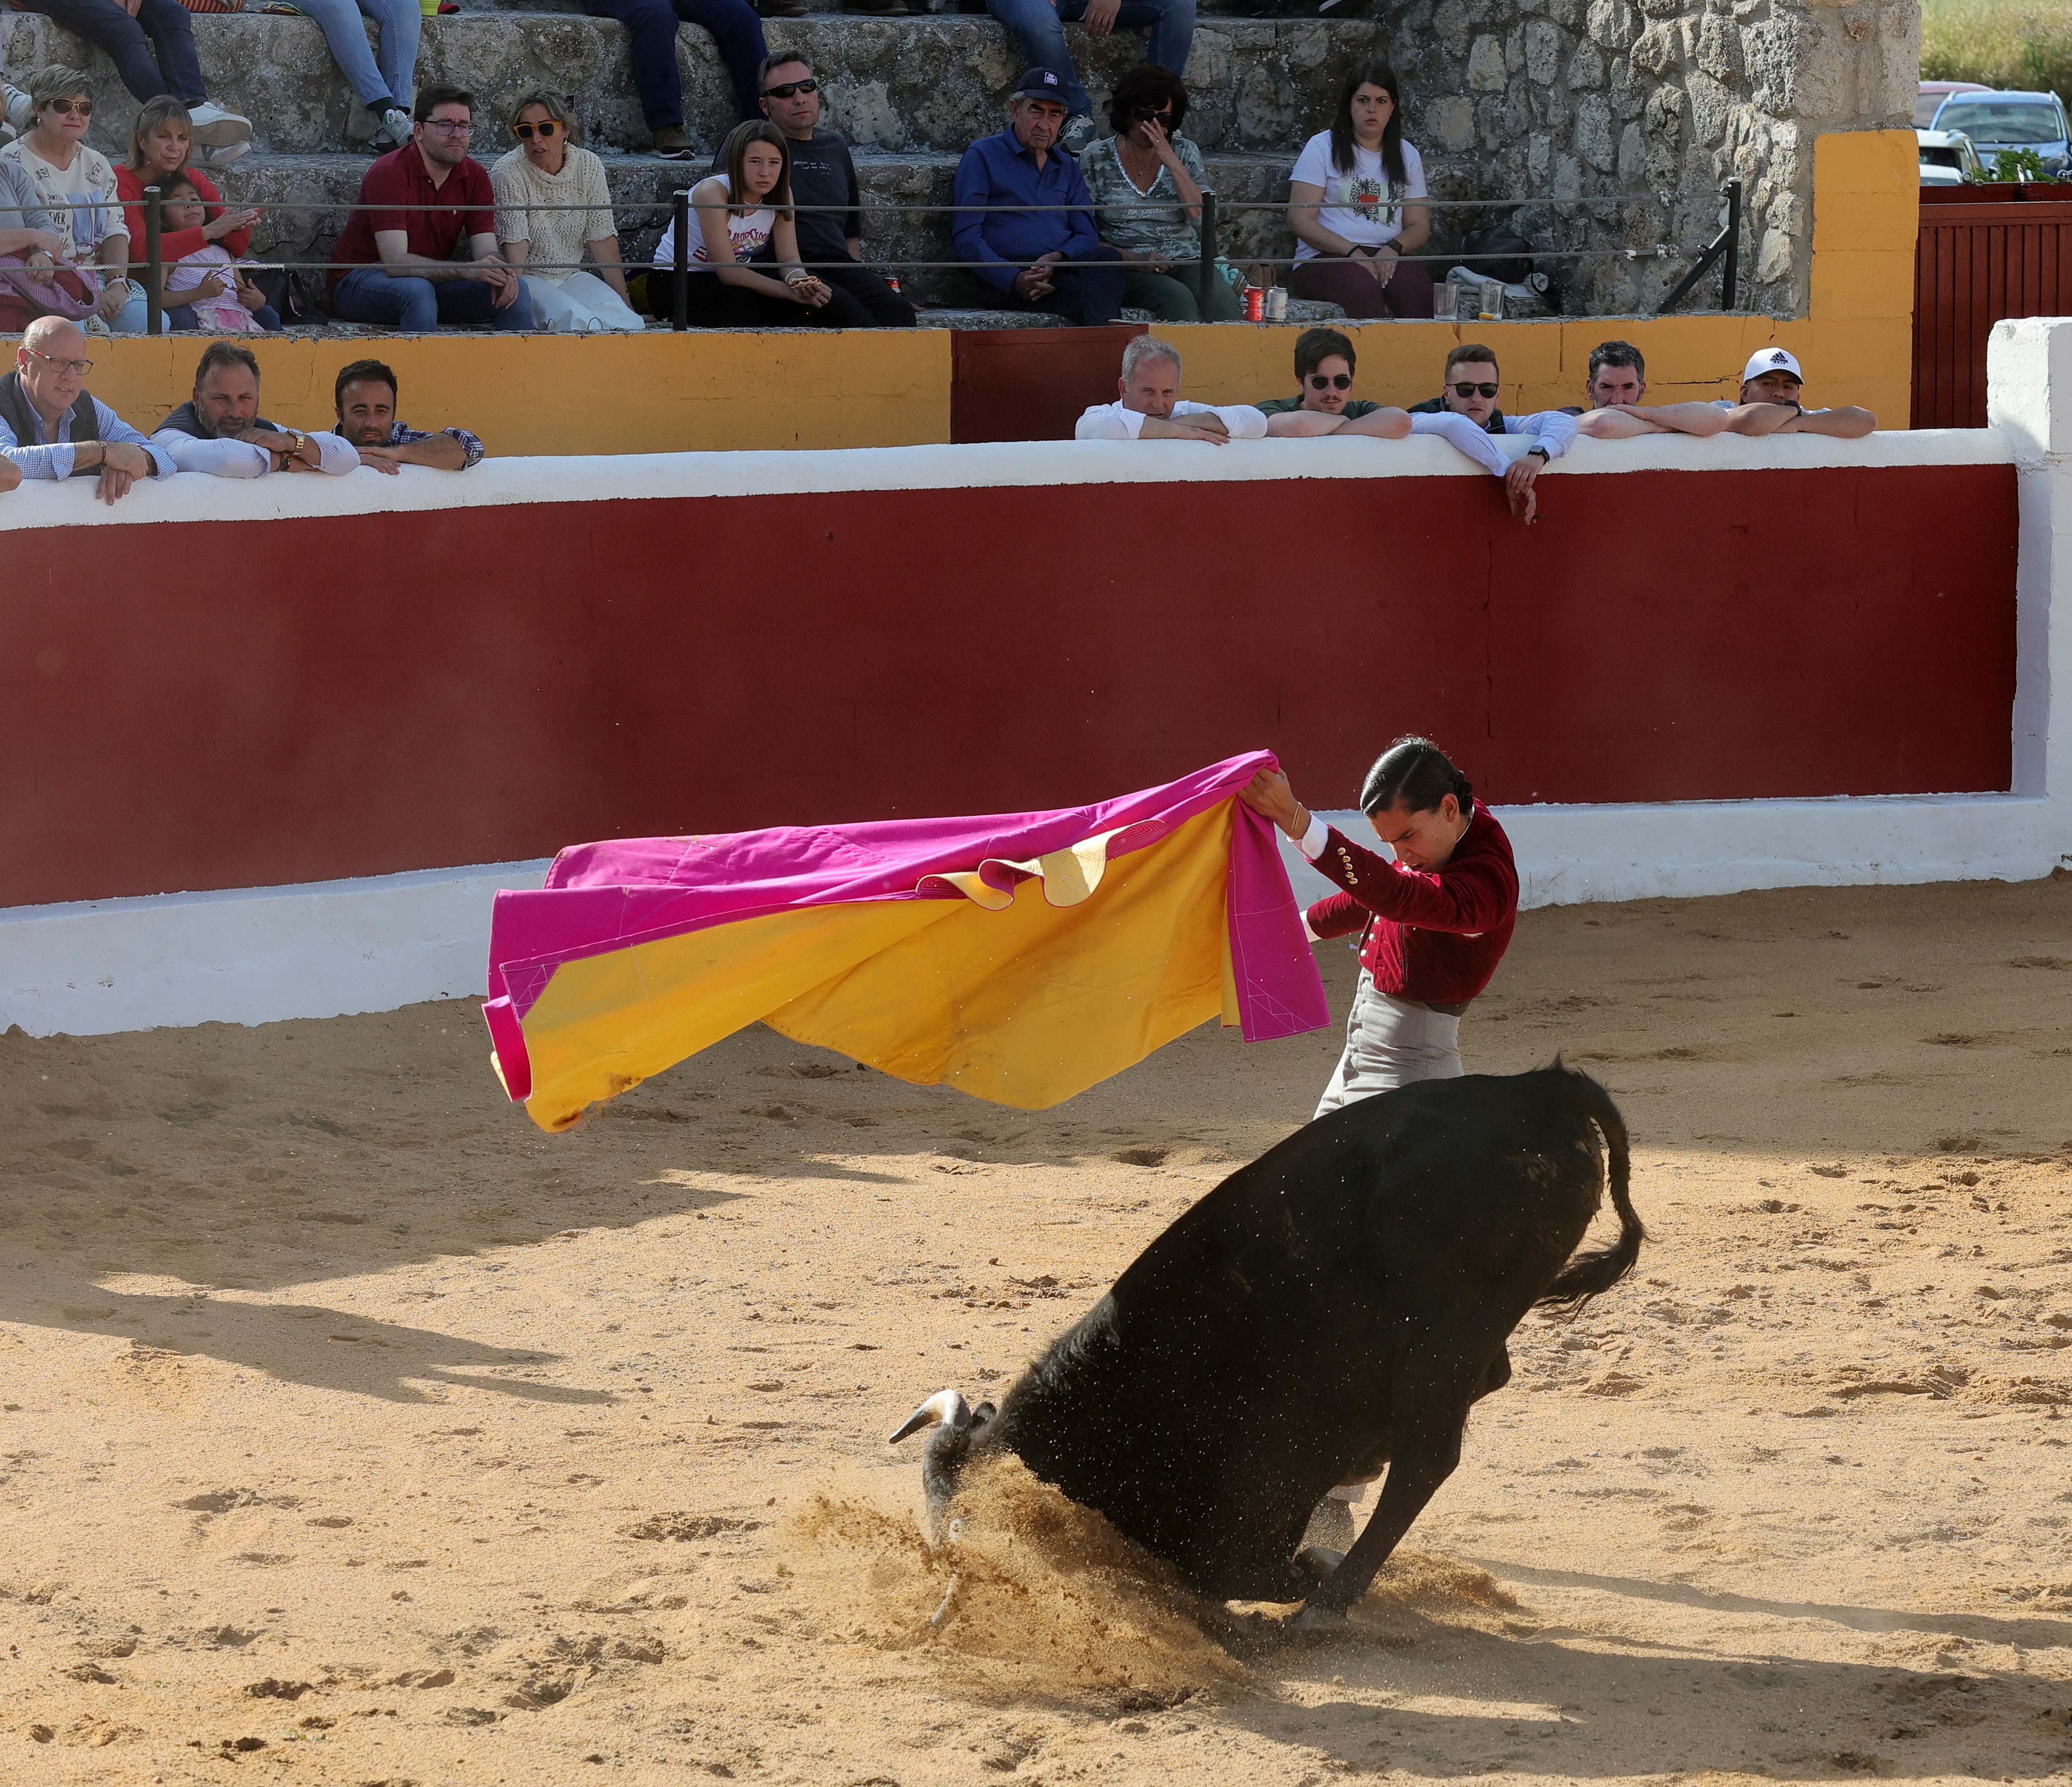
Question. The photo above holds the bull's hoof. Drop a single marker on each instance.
(1313, 1620)
(1318, 1561)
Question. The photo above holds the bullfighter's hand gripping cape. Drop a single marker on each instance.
(1020, 957)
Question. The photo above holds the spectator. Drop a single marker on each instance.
(1151, 408)
(650, 25)
(159, 142)
(1323, 405)
(75, 185)
(1145, 162)
(1465, 414)
(365, 397)
(18, 111)
(1037, 27)
(383, 88)
(547, 168)
(1617, 374)
(830, 242)
(399, 263)
(1050, 259)
(214, 291)
(151, 44)
(1353, 204)
(51, 428)
(744, 216)
(219, 430)
(1768, 404)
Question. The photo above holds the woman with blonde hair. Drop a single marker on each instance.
(161, 142)
(741, 220)
(547, 169)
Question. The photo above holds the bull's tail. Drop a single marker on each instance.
(1589, 1275)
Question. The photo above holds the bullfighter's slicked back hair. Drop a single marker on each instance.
(1413, 773)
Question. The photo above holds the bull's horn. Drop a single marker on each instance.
(947, 1406)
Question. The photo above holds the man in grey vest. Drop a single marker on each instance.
(51, 428)
(219, 430)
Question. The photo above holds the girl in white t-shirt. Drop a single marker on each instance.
(728, 232)
(1353, 203)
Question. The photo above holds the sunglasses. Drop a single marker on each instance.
(79, 368)
(1475, 390)
(1323, 382)
(789, 87)
(546, 128)
(1164, 114)
(75, 108)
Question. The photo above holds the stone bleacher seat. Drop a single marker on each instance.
(910, 92)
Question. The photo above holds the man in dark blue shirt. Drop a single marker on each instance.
(1049, 258)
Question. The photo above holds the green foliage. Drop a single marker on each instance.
(2023, 44)
(2011, 166)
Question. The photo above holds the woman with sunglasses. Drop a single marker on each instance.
(76, 185)
(1146, 183)
(1353, 203)
(548, 169)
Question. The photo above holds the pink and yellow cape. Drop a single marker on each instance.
(915, 946)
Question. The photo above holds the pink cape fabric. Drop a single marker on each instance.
(604, 896)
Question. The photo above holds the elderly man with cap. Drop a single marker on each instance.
(1151, 408)
(1768, 404)
(219, 430)
(1047, 257)
(51, 428)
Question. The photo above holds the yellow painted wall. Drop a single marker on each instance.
(1856, 343)
(658, 392)
(662, 393)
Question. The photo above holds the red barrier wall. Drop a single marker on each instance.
(198, 705)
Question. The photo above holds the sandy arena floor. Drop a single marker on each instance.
(354, 1432)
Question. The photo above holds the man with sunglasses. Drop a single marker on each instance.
(822, 175)
(1465, 415)
(51, 428)
(1325, 360)
(417, 205)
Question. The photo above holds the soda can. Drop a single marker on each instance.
(892, 280)
(1276, 304)
(1255, 305)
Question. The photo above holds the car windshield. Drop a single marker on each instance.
(1940, 158)
(2001, 120)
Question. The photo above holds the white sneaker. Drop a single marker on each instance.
(224, 157)
(395, 128)
(214, 128)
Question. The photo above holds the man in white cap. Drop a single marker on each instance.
(1768, 404)
(1151, 408)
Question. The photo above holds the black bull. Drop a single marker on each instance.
(1336, 1306)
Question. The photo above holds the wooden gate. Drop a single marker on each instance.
(1983, 253)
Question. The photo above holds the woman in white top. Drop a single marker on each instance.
(547, 169)
(76, 184)
(1352, 205)
(726, 292)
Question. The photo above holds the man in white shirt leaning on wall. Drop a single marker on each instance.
(1151, 408)
(219, 430)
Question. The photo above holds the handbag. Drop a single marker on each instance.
(1496, 251)
(28, 293)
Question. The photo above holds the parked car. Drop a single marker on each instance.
(1998, 120)
(1932, 94)
(1947, 158)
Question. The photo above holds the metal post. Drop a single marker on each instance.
(680, 297)
(1730, 276)
(1208, 251)
(154, 262)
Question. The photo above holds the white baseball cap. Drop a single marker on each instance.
(1771, 360)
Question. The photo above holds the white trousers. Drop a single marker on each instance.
(1390, 1042)
(578, 305)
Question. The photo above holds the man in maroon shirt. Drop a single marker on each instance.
(399, 263)
(1437, 919)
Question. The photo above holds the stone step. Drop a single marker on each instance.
(642, 188)
(1220, 9)
(934, 82)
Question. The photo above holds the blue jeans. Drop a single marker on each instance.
(418, 306)
(160, 26)
(1038, 30)
(652, 24)
(400, 21)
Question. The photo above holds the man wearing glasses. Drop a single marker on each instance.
(830, 241)
(51, 428)
(399, 264)
(1465, 414)
(1323, 403)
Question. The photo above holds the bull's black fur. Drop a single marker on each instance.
(1337, 1303)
